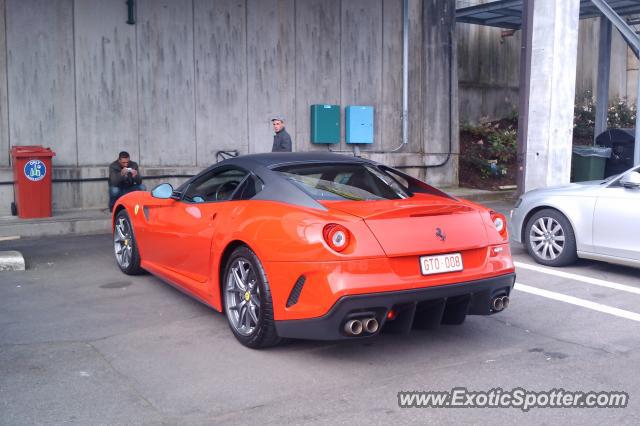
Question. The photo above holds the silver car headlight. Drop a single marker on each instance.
(518, 203)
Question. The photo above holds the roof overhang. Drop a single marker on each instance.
(508, 13)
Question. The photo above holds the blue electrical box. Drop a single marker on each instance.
(359, 124)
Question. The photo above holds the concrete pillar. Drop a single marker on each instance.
(547, 107)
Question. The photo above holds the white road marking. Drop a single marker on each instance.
(578, 302)
(570, 276)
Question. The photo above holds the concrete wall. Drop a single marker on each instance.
(221, 80)
(316, 25)
(106, 94)
(270, 68)
(622, 62)
(4, 106)
(41, 76)
(193, 77)
(166, 78)
(488, 63)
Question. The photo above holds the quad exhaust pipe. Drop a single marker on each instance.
(356, 327)
(353, 327)
(500, 303)
(370, 325)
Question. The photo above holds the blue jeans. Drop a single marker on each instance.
(116, 192)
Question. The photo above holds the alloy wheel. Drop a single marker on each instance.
(547, 238)
(242, 297)
(123, 242)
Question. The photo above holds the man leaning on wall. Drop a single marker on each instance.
(124, 177)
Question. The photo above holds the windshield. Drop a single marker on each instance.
(609, 179)
(358, 182)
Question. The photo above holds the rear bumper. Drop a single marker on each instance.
(420, 308)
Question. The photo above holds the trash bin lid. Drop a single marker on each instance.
(591, 151)
(613, 135)
(20, 151)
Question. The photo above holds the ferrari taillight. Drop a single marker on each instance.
(500, 222)
(336, 236)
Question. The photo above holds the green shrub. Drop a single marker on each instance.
(619, 114)
(584, 116)
(494, 146)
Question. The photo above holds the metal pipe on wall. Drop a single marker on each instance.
(405, 72)
(636, 149)
(405, 78)
(604, 70)
(405, 94)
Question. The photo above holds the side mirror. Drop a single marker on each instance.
(631, 180)
(162, 191)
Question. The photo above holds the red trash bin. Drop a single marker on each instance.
(32, 180)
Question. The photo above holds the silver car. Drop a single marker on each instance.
(593, 220)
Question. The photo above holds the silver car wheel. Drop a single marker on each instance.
(547, 238)
(123, 243)
(242, 297)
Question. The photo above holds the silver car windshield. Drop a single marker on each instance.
(609, 179)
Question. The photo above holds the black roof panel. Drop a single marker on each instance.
(274, 159)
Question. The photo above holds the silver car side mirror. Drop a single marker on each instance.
(631, 180)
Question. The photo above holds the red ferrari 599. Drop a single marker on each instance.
(317, 246)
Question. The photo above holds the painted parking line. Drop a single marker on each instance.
(576, 277)
(578, 302)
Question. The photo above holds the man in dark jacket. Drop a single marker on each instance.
(281, 140)
(124, 177)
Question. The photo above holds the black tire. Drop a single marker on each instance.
(244, 306)
(549, 238)
(125, 245)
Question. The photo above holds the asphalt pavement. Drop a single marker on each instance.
(82, 343)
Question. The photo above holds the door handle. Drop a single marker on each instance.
(213, 216)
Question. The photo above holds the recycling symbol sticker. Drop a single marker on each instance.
(35, 170)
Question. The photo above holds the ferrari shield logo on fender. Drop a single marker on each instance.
(135, 209)
(440, 234)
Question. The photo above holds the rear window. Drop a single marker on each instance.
(357, 182)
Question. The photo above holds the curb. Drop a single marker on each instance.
(480, 196)
(73, 223)
(11, 260)
(494, 196)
